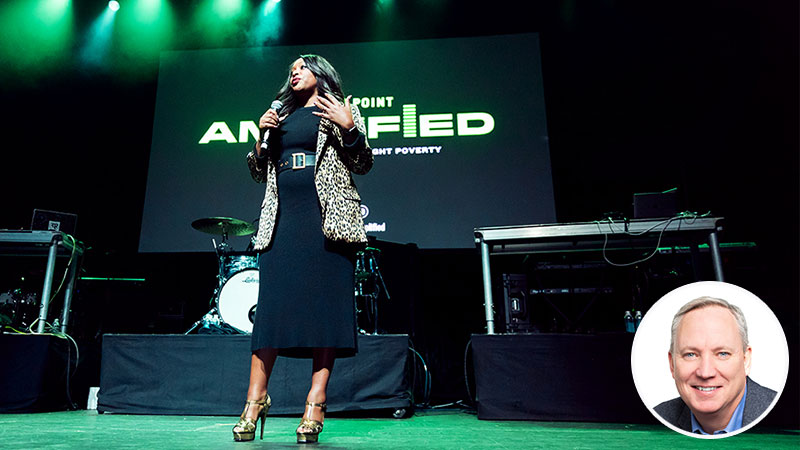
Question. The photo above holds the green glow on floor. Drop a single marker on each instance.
(425, 430)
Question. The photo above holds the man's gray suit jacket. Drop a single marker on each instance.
(758, 400)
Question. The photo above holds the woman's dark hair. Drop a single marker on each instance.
(328, 81)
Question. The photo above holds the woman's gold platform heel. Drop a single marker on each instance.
(247, 427)
(314, 425)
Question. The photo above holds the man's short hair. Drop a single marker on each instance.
(704, 302)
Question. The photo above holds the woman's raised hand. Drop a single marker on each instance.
(336, 112)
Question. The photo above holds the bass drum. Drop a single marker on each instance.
(237, 300)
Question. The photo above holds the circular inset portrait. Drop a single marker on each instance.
(710, 359)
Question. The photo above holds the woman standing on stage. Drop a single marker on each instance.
(309, 229)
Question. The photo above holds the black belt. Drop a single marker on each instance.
(297, 161)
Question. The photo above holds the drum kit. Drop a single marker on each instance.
(236, 295)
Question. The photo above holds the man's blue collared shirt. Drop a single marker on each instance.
(734, 424)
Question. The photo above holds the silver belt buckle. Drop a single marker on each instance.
(298, 160)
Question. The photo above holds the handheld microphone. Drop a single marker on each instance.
(276, 105)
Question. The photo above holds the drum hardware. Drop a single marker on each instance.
(233, 304)
(210, 319)
(368, 284)
(230, 262)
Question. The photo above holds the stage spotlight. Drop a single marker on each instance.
(150, 11)
(36, 36)
(113, 5)
(267, 26)
(96, 46)
(228, 9)
(270, 6)
(52, 11)
(152, 24)
(219, 22)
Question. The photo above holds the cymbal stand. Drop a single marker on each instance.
(212, 317)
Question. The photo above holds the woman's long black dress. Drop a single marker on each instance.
(305, 297)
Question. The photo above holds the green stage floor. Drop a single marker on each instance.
(434, 429)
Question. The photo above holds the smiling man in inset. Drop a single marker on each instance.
(709, 358)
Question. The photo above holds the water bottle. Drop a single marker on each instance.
(637, 319)
(629, 327)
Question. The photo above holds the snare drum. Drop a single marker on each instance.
(237, 300)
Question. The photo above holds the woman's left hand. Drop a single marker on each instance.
(334, 111)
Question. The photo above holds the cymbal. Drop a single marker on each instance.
(223, 226)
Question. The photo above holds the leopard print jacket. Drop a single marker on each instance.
(340, 203)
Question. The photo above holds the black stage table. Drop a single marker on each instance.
(561, 237)
(39, 242)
